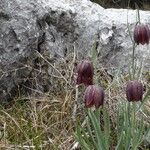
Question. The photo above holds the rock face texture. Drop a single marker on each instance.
(29, 28)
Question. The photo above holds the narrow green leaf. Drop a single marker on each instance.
(80, 139)
(91, 134)
(106, 127)
(119, 145)
(98, 132)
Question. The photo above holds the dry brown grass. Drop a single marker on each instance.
(36, 123)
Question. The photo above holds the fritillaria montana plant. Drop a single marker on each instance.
(93, 97)
(130, 131)
(96, 132)
(141, 35)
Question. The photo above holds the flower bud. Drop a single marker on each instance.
(141, 34)
(85, 72)
(134, 91)
(94, 95)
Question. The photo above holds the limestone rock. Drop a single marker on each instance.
(52, 28)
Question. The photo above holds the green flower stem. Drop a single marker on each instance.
(138, 14)
(133, 122)
(133, 60)
(129, 113)
(93, 57)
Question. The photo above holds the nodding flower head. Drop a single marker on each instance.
(134, 91)
(85, 72)
(141, 34)
(94, 95)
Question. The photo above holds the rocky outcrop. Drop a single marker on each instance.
(51, 28)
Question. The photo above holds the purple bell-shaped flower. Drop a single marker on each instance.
(94, 95)
(85, 72)
(134, 91)
(141, 34)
